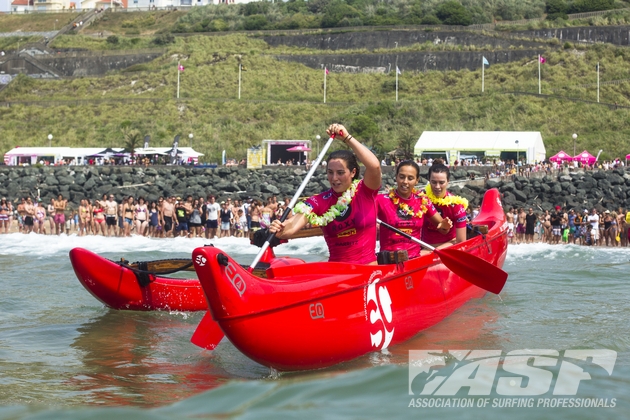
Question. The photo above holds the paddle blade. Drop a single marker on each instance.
(208, 333)
(473, 269)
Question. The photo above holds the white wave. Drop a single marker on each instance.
(543, 251)
(52, 245)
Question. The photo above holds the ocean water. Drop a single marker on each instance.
(64, 355)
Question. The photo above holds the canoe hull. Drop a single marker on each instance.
(315, 315)
(117, 287)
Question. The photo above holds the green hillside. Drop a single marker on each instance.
(283, 100)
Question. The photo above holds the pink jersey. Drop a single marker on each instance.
(455, 212)
(351, 237)
(391, 214)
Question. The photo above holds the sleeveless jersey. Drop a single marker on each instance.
(351, 237)
(391, 214)
(455, 212)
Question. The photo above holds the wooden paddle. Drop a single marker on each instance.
(294, 200)
(473, 269)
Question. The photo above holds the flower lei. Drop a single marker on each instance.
(404, 207)
(335, 210)
(450, 200)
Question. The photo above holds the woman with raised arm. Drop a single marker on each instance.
(347, 211)
(406, 208)
(448, 205)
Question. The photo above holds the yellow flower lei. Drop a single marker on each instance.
(335, 210)
(450, 200)
(404, 207)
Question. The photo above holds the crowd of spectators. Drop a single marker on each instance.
(569, 226)
(167, 217)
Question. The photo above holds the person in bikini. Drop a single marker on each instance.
(141, 217)
(40, 218)
(99, 218)
(4, 215)
(128, 214)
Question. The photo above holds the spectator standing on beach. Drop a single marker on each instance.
(40, 217)
(225, 216)
(111, 211)
(29, 215)
(530, 225)
(4, 215)
(60, 217)
(166, 217)
(212, 217)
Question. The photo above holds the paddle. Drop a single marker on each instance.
(473, 269)
(208, 333)
(294, 200)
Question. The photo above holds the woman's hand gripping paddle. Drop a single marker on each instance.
(473, 269)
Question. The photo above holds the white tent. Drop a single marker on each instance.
(32, 155)
(491, 143)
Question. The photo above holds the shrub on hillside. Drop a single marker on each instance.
(255, 22)
(453, 13)
(583, 6)
(112, 40)
(336, 12)
(163, 39)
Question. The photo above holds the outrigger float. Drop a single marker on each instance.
(144, 285)
(313, 315)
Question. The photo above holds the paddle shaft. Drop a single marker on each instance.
(294, 200)
(406, 235)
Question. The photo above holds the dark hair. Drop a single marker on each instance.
(438, 168)
(409, 163)
(349, 158)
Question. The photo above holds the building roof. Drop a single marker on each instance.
(492, 143)
(20, 3)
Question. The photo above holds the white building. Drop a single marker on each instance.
(456, 145)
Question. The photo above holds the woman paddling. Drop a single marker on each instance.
(346, 212)
(448, 205)
(405, 207)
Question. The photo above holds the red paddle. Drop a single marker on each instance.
(208, 333)
(473, 269)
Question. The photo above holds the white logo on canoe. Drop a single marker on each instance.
(383, 313)
(200, 260)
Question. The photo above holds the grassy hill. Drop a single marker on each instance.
(284, 100)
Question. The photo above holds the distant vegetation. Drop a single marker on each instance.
(300, 14)
(284, 100)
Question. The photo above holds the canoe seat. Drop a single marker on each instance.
(392, 257)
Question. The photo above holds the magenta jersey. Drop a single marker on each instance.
(351, 237)
(391, 214)
(455, 212)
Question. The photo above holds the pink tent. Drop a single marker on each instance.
(586, 158)
(627, 156)
(560, 157)
(299, 148)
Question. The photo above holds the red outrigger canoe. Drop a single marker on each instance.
(117, 285)
(313, 315)
(120, 285)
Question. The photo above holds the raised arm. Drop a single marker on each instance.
(372, 176)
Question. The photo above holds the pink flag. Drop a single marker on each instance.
(326, 70)
(180, 68)
(543, 60)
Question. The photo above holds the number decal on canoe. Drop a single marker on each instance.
(235, 278)
(316, 310)
(200, 260)
(409, 282)
(383, 313)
